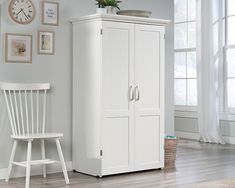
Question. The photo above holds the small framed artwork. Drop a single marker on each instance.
(46, 42)
(18, 48)
(50, 13)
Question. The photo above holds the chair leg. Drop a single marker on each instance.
(62, 161)
(11, 160)
(28, 165)
(43, 157)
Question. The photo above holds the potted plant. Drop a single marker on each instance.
(101, 7)
(112, 6)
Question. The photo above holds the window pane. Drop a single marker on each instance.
(192, 35)
(231, 92)
(231, 30)
(231, 7)
(191, 65)
(192, 92)
(180, 10)
(180, 36)
(180, 91)
(191, 10)
(180, 65)
(231, 62)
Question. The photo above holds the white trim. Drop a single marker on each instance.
(225, 99)
(195, 136)
(120, 18)
(226, 48)
(223, 116)
(35, 170)
(230, 140)
(230, 46)
(226, 116)
(187, 21)
(186, 114)
(187, 135)
(228, 109)
(186, 108)
(232, 15)
(185, 50)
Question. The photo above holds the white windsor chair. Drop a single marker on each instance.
(26, 106)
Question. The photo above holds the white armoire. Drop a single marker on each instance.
(118, 94)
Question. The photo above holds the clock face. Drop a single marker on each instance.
(22, 11)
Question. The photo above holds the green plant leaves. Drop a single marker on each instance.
(100, 3)
(104, 3)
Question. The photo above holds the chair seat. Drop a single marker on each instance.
(38, 136)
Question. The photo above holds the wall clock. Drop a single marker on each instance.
(22, 11)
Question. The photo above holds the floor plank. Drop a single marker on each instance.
(196, 162)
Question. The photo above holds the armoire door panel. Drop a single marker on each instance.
(118, 111)
(116, 66)
(147, 108)
(147, 66)
(117, 143)
(147, 145)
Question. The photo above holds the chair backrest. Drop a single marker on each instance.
(26, 106)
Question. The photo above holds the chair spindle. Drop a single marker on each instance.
(9, 113)
(44, 111)
(21, 113)
(17, 113)
(32, 111)
(37, 111)
(26, 111)
(12, 112)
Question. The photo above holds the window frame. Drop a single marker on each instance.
(189, 108)
(226, 108)
(226, 113)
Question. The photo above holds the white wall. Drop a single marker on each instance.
(57, 69)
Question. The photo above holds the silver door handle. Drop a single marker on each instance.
(137, 93)
(131, 93)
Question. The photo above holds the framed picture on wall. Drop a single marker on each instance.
(46, 42)
(18, 48)
(50, 13)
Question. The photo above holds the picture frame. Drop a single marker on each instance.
(50, 13)
(18, 48)
(46, 42)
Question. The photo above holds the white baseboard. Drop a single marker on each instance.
(229, 140)
(195, 136)
(187, 135)
(35, 170)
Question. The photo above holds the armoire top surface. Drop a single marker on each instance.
(120, 18)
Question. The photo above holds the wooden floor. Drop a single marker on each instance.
(195, 163)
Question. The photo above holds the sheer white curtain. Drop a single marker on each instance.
(210, 53)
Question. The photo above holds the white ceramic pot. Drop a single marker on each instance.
(101, 11)
(111, 10)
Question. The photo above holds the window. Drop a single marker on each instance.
(185, 71)
(229, 54)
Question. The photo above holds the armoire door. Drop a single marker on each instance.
(149, 96)
(117, 92)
